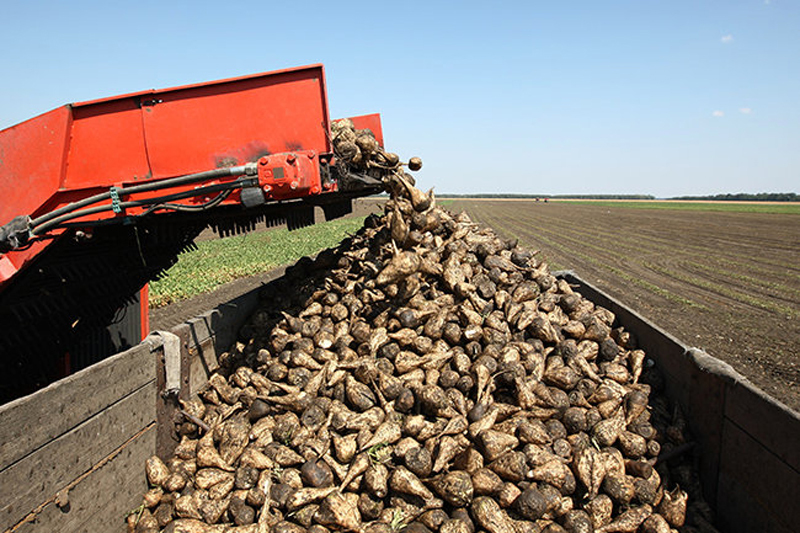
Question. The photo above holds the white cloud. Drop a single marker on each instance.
(718, 114)
(727, 39)
(745, 110)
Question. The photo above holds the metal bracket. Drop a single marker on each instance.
(15, 234)
(114, 193)
(171, 344)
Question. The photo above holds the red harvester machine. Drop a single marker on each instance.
(100, 197)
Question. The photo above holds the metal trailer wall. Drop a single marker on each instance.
(72, 454)
(749, 443)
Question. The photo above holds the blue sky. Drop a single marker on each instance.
(651, 97)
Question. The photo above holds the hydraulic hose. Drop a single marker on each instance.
(248, 169)
(73, 214)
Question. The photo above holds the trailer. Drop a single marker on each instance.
(71, 455)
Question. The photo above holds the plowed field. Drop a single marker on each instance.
(724, 281)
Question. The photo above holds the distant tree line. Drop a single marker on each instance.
(747, 197)
(605, 196)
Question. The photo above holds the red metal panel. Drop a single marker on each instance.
(144, 311)
(181, 130)
(7, 268)
(32, 161)
(107, 145)
(190, 130)
(371, 122)
(32, 156)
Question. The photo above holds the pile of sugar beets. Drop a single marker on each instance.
(423, 376)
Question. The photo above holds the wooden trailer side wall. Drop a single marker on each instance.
(749, 442)
(80, 442)
(72, 455)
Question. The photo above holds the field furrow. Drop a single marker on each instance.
(600, 258)
(643, 241)
(770, 296)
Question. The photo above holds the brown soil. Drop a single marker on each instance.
(728, 283)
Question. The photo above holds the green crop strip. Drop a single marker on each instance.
(219, 261)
